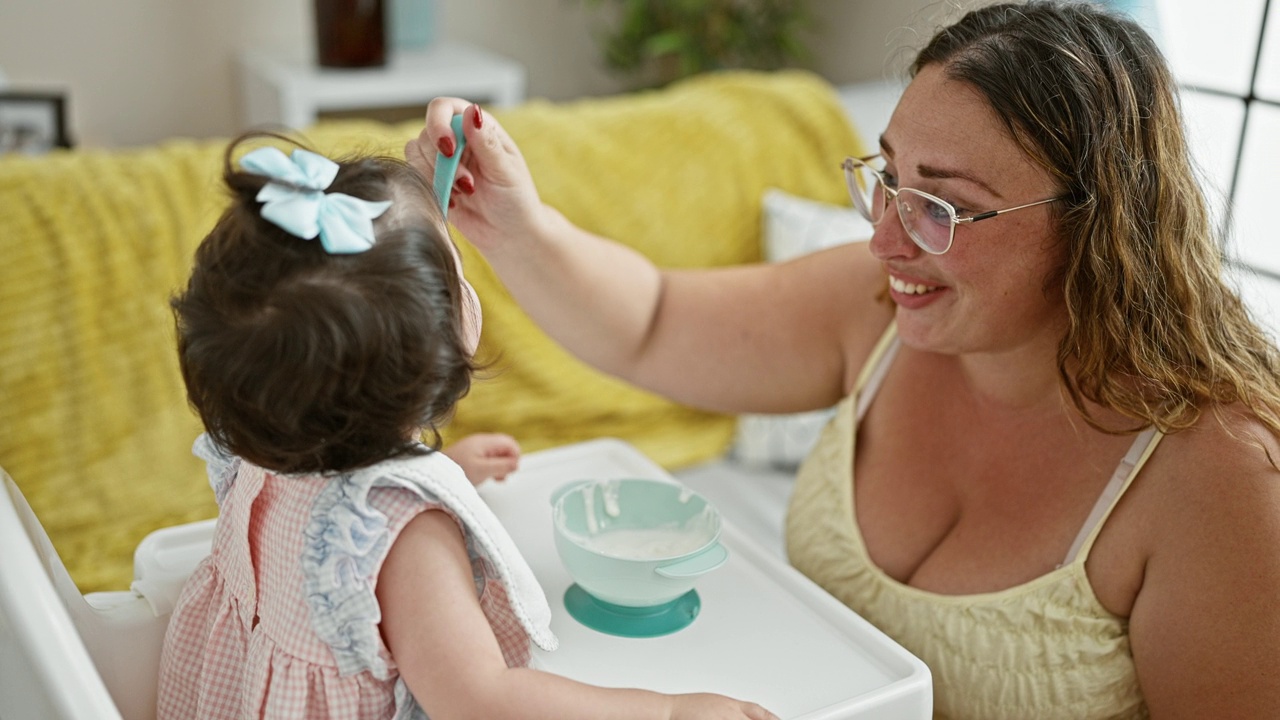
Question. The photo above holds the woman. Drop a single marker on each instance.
(1053, 473)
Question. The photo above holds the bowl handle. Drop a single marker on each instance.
(704, 562)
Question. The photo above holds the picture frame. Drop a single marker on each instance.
(32, 123)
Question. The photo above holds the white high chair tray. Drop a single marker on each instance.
(765, 632)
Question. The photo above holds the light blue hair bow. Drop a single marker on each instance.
(344, 223)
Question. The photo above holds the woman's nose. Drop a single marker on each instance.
(890, 239)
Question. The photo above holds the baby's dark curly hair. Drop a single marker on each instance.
(302, 361)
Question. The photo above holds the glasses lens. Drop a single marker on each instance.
(865, 189)
(928, 220)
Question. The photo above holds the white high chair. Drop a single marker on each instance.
(68, 656)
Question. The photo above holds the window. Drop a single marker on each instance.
(1225, 56)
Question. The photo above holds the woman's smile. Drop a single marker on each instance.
(904, 287)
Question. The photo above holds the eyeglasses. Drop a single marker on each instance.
(928, 219)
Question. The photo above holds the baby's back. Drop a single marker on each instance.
(246, 637)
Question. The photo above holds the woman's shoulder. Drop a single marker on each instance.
(1228, 444)
(1213, 490)
(1204, 616)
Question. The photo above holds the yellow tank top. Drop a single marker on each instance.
(1046, 649)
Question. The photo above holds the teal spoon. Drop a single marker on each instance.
(447, 167)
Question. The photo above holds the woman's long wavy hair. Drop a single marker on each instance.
(302, 361)
(1155, 332)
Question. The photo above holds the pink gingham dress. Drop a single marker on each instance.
(281, 620)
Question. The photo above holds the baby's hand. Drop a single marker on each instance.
(706, 706)
(485, 455)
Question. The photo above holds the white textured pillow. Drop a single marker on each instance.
(793, 226)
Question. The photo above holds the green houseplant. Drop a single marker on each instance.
(658, 41)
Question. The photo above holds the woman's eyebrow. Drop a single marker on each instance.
(937, 173)
(930, 171)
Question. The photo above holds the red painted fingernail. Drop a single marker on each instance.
(446, 146)
(466, 185)
(479, 117)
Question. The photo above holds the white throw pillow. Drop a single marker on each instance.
(793, 226)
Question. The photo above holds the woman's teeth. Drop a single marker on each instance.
(907, 288)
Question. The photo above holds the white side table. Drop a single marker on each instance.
(293, 92)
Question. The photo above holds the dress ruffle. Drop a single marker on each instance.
(435, 476)
(346, 538)
(221, 465)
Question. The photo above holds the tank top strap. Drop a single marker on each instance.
(875, 368)
(1143, 445)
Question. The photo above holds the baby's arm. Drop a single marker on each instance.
(485, 455)
(451, 661)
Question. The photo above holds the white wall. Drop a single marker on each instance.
(138, 71)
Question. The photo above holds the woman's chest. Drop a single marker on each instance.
(1005, 654)
(958, 501)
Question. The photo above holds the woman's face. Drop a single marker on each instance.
(987, 293)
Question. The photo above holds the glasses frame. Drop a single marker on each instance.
(850, 167)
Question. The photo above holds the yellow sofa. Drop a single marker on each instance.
(94, 426)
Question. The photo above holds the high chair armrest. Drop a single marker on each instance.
(164, 560)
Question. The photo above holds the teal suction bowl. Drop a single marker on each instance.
(635, 543)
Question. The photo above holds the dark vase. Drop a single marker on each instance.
(350, 33)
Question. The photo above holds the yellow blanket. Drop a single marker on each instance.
(94, 425)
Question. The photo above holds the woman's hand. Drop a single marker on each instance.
(494, 198)
(485, 455)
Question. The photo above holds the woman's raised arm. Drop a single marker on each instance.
(752, 338)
